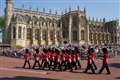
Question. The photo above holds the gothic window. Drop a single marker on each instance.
(83, 21)
(75, 36)
(19, 32)
(37, 34)
(27, 18)
(82, 35)
(90, 36)
(58, 35)
(23, 32)
(14, 32)
(42, 23)
(52, 24)
(29, 33)
(58, 23)
(112, 39)
(65, 34)
(19, 18)
(35, 20)
(52, 35)
(46, 24)
(74, 21)
(44, 35)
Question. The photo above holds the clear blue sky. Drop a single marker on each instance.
(95, 8)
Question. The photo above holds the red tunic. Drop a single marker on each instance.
(73, 58)
(46, 57)
(66, 58)
(77, 57)
(92, 54)
(69, 58)
(53, 56)
(37, 56)
(90, 57)
(105, 58)
(48, 54)
(58, 57)
(63, 57)
(26, 56)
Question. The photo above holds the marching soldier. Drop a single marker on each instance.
(89, 64)
(57, 60)
(78, 61)
(93, 62)
(37, 58)
(105, 63)
(27, 58)
(63, 64)
(52, 58)
(45, 60)
(69, 61)
(73, 59)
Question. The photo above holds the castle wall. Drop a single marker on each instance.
(32, 28)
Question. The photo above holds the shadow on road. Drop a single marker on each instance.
(117, 78)
(25, 78)
(116, 65)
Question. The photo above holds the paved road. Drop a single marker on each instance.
(10, 69)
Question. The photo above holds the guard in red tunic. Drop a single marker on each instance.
(57, 60)
(78, 61)
(63, 59)
(52, 58)
(37, 58)
(105, 62)
(27, 58)
(93, 62)
(69, 61)
(73, 59)
(89, 64)
(45, 60)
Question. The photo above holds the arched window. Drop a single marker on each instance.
(52, 35)
(27, 19)
(53, 25)
(82, 35)
(74, 21)
(19, 32)
(64, 34)
(75, 36)
(37, 34)
(24, 32)
(42, 23)
(58, 36)
(83, 21)
(29, 33)
(14, 32)
(35, 20)
(90, 36)
(44, 35)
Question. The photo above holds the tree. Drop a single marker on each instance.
(2, 22)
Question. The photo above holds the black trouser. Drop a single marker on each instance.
(63, 64)
(36, 62)
(52, 63)
(59, 66)
(42, 62)
(74, 65)
(78, 63)
(95, 67)
(68, 66)
(26, 61)
(105, 66)
(89, 66)
(46, 64)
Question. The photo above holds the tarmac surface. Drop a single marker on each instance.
(11, 69)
